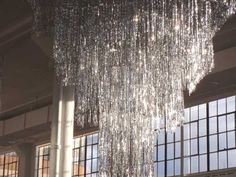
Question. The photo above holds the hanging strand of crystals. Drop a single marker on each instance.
(130, 61)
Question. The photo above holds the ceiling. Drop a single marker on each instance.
(27, 74)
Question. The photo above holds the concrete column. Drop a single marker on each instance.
(56, 131)
(26, 153)
(62, 129)
(67, 130)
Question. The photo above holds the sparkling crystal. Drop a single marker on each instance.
(130, 61)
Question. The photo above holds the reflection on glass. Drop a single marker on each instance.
(222, 106)
(222, 159)
(194, 130)
(231, 104)
(202, 127)
(213, 125)
(212, 108)
(95, 151)
(213, 161)
(155, 170)
(95, 165)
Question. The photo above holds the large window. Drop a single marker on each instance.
(9, 163)
(42, 161)
(85, 157)
(208, 141)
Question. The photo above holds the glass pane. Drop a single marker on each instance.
(177, 134)
(202, 145)
(231, 158)
(231, 139)
(177, 167)
(194, 130)
(187, 165)
(94, 165)
(89, 139)
(194, 164)
(213, 143)
(170, 168)
(88, 166)
(230, 122)
(202, 111)
(194, 146)
(161, 138)
(186, 131)
(213, 161)
(95, 151)
(222, 123)
(170, 137)
(187, 148)
(223, 160)
(161, 169)
(95, 138)
(177, 150)
(203, 163)
(222, 106)
(202, 127)
(161, 153)
(213, 125)
(222, 141)
(186, 114)
(212, 108)
(89, 152)
(170, 151)
(194, 113)
(231, 104)
(155, 170)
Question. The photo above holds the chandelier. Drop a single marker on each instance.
(130, 61)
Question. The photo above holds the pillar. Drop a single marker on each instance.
(62, 129)
(26, 153)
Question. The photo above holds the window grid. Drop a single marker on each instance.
(208, 139)
(85, 157)
(9, 163)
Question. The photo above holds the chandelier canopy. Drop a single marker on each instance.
(130, 61)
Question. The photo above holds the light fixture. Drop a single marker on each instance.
(130, 61)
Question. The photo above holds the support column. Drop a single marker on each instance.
(26, 153)
(62, 132)
(67, 131)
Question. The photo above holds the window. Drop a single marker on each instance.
(42, 161)
(85, 157)
(209, 140)
(9, 163)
